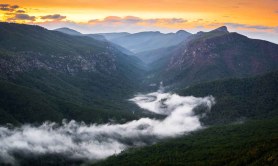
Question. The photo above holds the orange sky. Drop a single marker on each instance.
(239, 11)
(252, 15)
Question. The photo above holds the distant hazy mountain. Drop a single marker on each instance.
(68, 31)
(99, 37)
(48, 75)
(112, 36)
(137, 43)
(96, 36)
(76, 33)
(151, 57)
(145, 41)
(214, 55)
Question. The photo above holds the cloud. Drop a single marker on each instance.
(8, 7)
(22, 17)
(5, 7)
(130, 24)
(20, 11)
(78, 140)
(14, 6)
(137, 20)
(53, 17)
(112, 19)
(258, 27)
(134, 24)
(132, 19)
(14, 13)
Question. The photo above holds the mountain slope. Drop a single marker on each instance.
(152, 57)
(252, 143)
(68, 31)
(145, 41)
(72, 73)
(214, 55)
(98, 37)
(111, 36)
(241, 128)
(239, 99)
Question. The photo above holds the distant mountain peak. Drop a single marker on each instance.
(221, 29)
(64, 28)
(68, 31)
(182, 32)
(200, 32)
(149, 32)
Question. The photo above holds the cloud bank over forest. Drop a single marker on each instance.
(97, 141)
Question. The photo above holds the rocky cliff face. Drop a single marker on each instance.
(218, 54)
(35, 48)
(28, 61)
(236, 52)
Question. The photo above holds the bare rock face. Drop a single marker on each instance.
(222, 29)
(28, 61)
(39, 49)
(219, 54)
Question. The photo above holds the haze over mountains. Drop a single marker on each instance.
(139, 42)
(145, 41)
(51, 75)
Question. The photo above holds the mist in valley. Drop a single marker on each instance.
(97, 141)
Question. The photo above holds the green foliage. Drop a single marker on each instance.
(238, 99)
(40, 96)
(30, 94)
(250, 143)
(243, 142)
(211, 56)
(34, 96)
(37, 39)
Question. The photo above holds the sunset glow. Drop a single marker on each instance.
(258, 19)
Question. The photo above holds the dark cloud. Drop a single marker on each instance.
(4, 5)
(14, 13)
(5, 9)
(14, 6)
(8, 7)
(20, 11)
(22, 17)
(276, 11)
(53, 17)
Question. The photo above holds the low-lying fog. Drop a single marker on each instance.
(98, 141)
